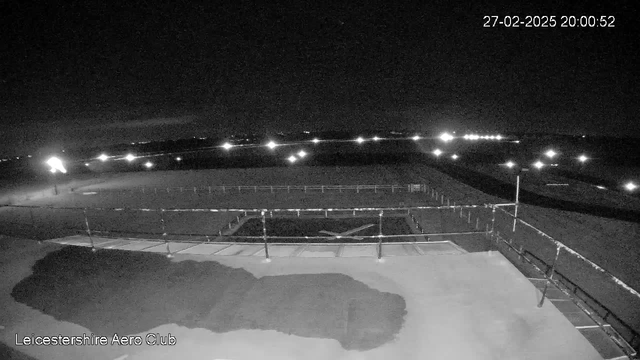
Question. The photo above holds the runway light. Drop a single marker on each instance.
(103, 157)
(454, 157)
(583, 158)
(178, 158)
(375, 138)
(498, 137)
(86, 164)
(538, 164)
(227, 146)
(148, 164)
(510, 164)
(446, 137)
(56, 165)
(437, 152)
(130, 157)
(302, 154)
(359, 140)
(315, 140)
(272, 145)
(416, 138)
(630, 186)
(292, 159)
(550, 154)
(601, 187)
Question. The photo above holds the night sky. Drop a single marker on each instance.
(93, 72)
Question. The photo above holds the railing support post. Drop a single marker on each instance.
(86, 222)
(164, 233)
(549, 277)
(264, 236)
(380, 237)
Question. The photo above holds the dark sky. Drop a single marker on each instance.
(91, 71)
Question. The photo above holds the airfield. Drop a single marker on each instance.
(444, 297)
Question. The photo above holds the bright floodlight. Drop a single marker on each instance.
(416, 137)
(437, 152)
(630, 186)
(103, 157)
(454, 157)
(315, 140)
(271, 145)
(550, 154)
(498, 137)
(130, 157)
(510, 164)
(148, 164)
(178, 158)
(227, 146)
(582, 158)
(446, 137)
(375, 138)
(538, 164)
(56, 165)
(302, 154)
(359, 140)
(292, 159)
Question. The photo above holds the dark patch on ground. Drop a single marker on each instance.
(127, 292)
(312, 226)
(8, 353)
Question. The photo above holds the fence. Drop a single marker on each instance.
(231, 189)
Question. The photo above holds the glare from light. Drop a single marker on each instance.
(454, 157)
(103, 157)
(227, 146)
(359, 140)
(272, 145)
(601, 187)
(302, 153)
(583, 158)
(550, 154)
(56, 165)
(510, 164)
(130, 157)
(178, 158)
(86, 164)
(437, 152)
(148, 164)
(498, 137)
(538, 164)
(292, 159)
(315, 140)
(375, 138)
(416, 138)
(630, 186)
(446, 137)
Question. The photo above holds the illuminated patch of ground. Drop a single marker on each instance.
(126, 292)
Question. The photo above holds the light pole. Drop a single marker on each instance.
(56, 165)
(519, 170)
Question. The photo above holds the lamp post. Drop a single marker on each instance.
(56, 165)
(518, 171)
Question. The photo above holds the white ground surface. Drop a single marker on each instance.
(474, 306)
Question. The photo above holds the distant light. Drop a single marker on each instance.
(416, 137)
(292, 159)
(178, 158)
(630, 186)
(498, 137)
(359, 140)
(227, 146)
(56, 165)
(454, 157)
(148, 164)
(315, 140)
(510, 164)
(601, 187)
(302, 154)
(375, 138)
(582, 158)
(130, 157)
(517, 141)
(584, 136)
(86, 164)
(550, 154)
(437, 152)
(538, 164)
(28, 155)
(272, 145)
(446, 137)
(103, 157)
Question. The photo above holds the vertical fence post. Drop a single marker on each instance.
(447, 201)
(375, 188)
(209, 189)
(392, 189)
(164, 233)
(264, 236)
(288, 188)
(223, 189)
(357, 189)
(322, 188)
(477, 223)
(380, 237)
(549, 277)
(86, 222)
(454, 207)
(469, 217)
(493, 218)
